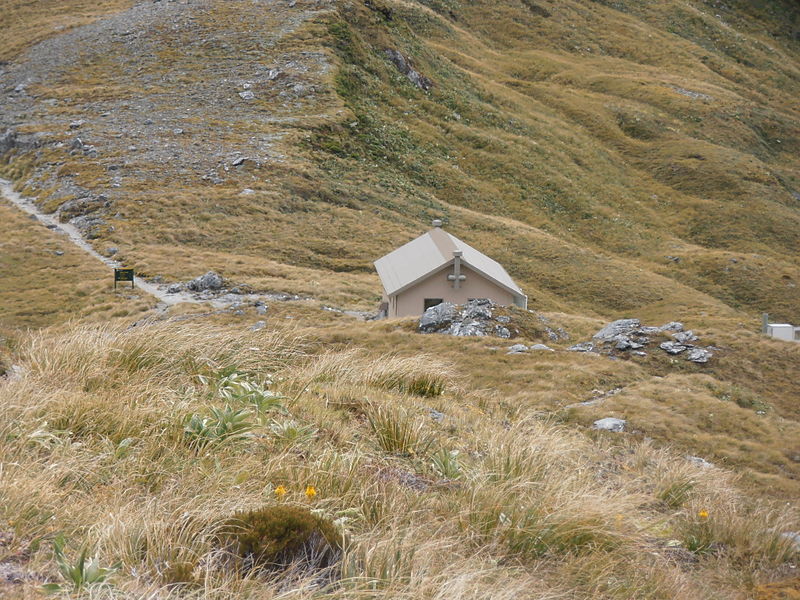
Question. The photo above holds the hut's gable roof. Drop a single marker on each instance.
(430, 252)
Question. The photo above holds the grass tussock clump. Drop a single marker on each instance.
(157, 468)
(277, 537)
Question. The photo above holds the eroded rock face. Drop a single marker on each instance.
(403, 65)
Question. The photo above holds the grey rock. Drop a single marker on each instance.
(404, 66)
(436, 415)
(238, 161)
(437, 316)
(59, 253)
(672, 347)
(258, 325)
(624, 342)
(554, 335)
(610, 424)
(672, 326)
(261, 309)
(112, 250)
(502, 332)
(541, 347)
(247, 95)
(684, 337)
(517, 349)
(701, 462)
(467, 329)
(691, 94)
(582, 347)
(503, 319)
(794, 537)
(175, 288)
(8, 140)
(77, 124)
(478, 309)
(699, 355)
(639, 353)
(616, 328)
(209, 281)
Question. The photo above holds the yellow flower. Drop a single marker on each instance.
(280, 491)
(703, 514)
(310, 492)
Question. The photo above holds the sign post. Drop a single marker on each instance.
(123, 275)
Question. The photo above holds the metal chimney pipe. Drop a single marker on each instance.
(764, 323)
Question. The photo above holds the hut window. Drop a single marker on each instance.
(431, 302)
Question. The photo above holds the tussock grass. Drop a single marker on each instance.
(532, 506)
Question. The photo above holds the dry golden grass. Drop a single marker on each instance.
(560, 145)
(25, 22)
(100, 455)
(41, 288)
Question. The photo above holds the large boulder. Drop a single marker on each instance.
(617, 328)
(474, 318)
(209, 281)
(436, 317)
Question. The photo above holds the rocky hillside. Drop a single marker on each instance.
(616, 156)
(634, 165)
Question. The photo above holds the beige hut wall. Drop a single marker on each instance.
(412, 301)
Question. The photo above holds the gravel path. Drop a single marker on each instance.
(75, 237)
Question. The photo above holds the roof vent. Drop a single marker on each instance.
(437, 223)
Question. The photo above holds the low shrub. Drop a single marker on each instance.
(278, 537)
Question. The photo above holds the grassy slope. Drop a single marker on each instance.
(560, 144)
(42, 288)
(95, 448)
(579, 158)
(26, 22)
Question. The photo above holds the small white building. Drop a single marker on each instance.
(780, 331)
(784, 331)
(438, 267)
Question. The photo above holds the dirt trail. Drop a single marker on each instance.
(224, 301)
(51, 222)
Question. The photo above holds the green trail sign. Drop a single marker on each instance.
(123, 275)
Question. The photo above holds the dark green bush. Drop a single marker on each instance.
(277, 537)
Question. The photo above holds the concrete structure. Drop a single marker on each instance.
(438, 267)
(780, 331)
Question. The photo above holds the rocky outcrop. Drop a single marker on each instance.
(403, 65)
(10, 139)
(629, 335)
(209, 281)
(474, 318)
